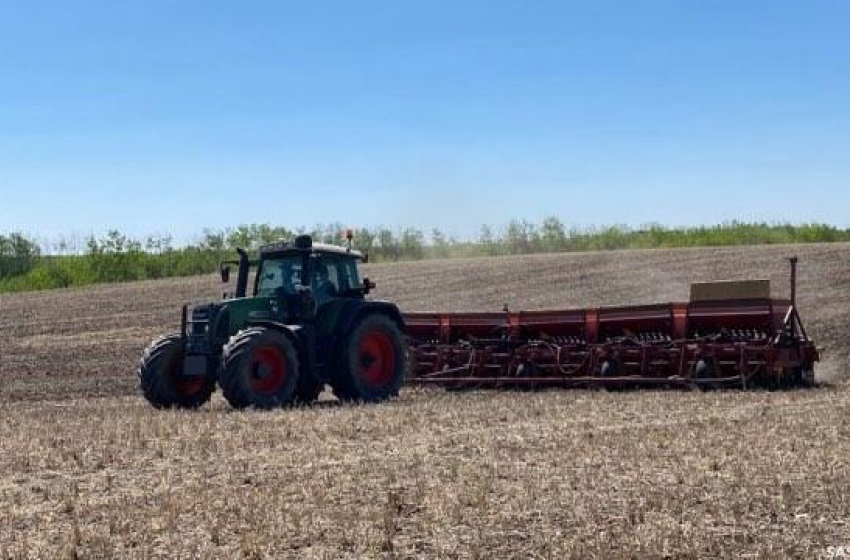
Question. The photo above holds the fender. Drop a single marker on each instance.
(302, 337)
(352, 311)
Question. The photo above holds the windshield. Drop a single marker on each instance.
(279, 276)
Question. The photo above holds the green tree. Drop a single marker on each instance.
(521, 237)
(487, 241)
(412, 244)
(440, 243)
(18, 255)
(240, 237)
(158, 244)
(552, 234)
(213, 240)
(386, 245)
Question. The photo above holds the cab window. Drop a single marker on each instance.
(279, 276)
(349, 278)
(341, 272)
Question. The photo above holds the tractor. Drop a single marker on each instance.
(307, 323)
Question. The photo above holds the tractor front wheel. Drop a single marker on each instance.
(372, 362)
(162, 380)
(259, 368)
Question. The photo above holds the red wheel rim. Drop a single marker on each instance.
(268, 370)
(376, 359)
(189, 386)
(185, 386)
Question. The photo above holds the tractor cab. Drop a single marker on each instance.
(291, 268)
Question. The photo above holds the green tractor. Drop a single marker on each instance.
(307, 324)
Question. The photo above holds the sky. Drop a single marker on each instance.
(163, 117)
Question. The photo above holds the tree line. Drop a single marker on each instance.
(116, 257)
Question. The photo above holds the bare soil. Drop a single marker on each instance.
(87, 469)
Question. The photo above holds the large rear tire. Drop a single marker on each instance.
(161, 376)
(259, 368)
(372, 363)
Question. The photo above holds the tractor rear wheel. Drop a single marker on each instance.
(162, 380)
(259, 368)
(372, 363)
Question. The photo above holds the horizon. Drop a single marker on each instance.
(76, 244)
(157, 118)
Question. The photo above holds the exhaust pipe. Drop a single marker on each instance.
(242, 276)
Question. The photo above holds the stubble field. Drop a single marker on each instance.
(88, 469)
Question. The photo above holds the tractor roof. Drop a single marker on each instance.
(300, 245)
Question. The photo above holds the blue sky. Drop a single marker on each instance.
(169, 117)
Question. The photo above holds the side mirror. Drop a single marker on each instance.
(368, 285)
(225, 274)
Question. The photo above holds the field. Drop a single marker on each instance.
(89, 470)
